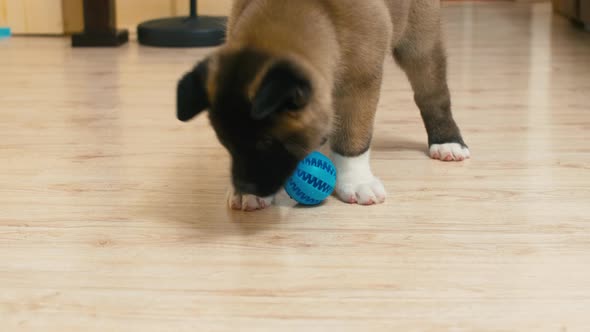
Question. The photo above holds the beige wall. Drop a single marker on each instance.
(59, 16)
(32, 16)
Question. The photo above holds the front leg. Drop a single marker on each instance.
(356, 182)
(246, 202)
(351, 142)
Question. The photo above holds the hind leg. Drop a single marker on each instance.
(426, 66)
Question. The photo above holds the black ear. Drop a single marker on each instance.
(191, 93)
(284, 88)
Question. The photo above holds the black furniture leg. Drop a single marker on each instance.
(100, 28)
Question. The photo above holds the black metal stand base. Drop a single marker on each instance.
(108, 39)
(200, 31)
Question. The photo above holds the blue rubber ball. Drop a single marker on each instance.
(313, 181)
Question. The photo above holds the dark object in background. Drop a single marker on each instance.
(191, 31)
(585, 12)
(578, 11)
(100, 28)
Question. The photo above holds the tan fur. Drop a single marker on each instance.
(342, 44)
(295, 73)
(213, 68)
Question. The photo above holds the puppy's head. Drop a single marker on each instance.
(267, 111)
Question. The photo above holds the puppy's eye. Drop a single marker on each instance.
(264, 143)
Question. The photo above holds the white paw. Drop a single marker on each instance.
(449, 152)
(356, 183)
(237, 201)
(363, 193)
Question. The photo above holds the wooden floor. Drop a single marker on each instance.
(112, 213)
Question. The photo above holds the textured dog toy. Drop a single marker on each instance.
(313, 181)
(4, 32)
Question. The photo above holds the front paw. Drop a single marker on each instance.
(356, 183)
(361, 192)
(449, 152)
(245, 202)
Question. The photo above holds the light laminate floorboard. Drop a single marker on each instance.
(112, 213)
